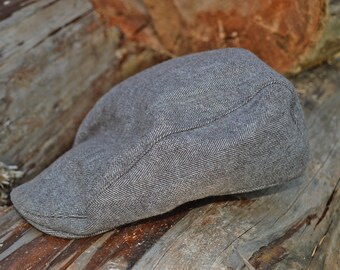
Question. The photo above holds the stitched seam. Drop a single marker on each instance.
(60, 233)
(138, 158)
(67, 234)
(232, 191)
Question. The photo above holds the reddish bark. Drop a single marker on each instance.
(280, 32)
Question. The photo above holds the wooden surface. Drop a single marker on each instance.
(295, 226)
(56, 59)
(286, 34)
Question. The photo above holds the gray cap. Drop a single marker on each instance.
(212, 123)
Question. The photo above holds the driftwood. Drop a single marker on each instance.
(56, 59)
(295, 226)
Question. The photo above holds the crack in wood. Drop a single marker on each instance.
(220, 256)
(57, 30)
(330, 152)
(49, 4)
(329, 201)
(267, 256)
(13, 6)
(319, 244)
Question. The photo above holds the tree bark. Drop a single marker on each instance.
(287, 34)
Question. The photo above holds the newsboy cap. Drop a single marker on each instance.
(212, 123)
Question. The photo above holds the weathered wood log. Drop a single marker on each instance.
(56, 59)
(295, 226)
(287, 34)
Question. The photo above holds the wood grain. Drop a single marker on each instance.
(56, 59)
(23, 247)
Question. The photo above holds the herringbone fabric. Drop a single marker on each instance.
(211, 123)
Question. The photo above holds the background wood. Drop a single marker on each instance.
(289, 35)
(295, 226)
(56, 59)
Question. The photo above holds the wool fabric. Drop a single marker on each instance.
(206, 124)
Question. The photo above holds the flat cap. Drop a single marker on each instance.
(212, 123)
